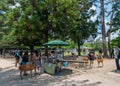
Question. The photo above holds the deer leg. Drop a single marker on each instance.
(102, 64)
(98, 64)
(31, 73)
(21, 74)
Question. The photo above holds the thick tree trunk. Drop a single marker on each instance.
(46, 40)
(103, 30)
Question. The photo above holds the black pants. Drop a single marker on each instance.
(117, 64)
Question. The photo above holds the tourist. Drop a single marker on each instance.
(84, 52)
(74, 51)
(24, 60)
(17, 57)
(36, 60)
(116, 53)
(91, 57)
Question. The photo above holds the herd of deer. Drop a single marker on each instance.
(98, 59)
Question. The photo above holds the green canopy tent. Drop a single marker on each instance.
(56, 43)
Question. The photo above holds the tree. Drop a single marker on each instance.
(26, 24)
(116, 41)
(84, 26)
(33, 21)
(115, 9)
(59, 18)
(3, 27)
(103, 29)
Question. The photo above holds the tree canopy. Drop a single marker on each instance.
(34, 22)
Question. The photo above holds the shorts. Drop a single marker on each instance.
(23, 63)
(91, 58)
(17, 60)
(37, 63)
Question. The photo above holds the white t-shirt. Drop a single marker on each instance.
(116, 51)
(74, 51)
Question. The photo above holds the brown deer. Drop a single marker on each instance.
(100, 60)
(85, 58)
(27, 67)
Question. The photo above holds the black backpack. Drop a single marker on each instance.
(17, 55)
(119, 54)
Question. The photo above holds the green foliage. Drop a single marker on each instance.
(114, 16)
(35, 22)
(84, 26)
(116, 41)
(116, 21)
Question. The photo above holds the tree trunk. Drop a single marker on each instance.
(103, 30)
(109, 33)
(3, 53)
(31, 49)
(109, 47)
(78, 48)
(46, 40)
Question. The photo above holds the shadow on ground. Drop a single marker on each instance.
(10, 77)
(66, 72)
(115, 71)
(0, 69)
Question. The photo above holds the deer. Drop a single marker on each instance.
(26, 67)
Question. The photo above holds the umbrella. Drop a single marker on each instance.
(56, 43)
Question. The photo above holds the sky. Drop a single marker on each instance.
(107, 19)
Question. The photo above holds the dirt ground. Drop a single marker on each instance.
(103, 76)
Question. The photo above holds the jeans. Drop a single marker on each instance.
(117, 64)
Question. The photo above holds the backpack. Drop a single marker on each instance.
(118, 54)
(17, 55)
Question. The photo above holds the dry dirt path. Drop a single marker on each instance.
(104, 76)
